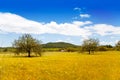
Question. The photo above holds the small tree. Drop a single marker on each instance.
(27, 44)
(117, 46)
(90, 45)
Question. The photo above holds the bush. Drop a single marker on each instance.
(102, 48)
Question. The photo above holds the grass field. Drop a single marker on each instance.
(61, 66)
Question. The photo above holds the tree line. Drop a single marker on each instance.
(27, 44)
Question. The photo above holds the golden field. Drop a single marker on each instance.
(61, 66)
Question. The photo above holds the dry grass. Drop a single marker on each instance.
(61, 66)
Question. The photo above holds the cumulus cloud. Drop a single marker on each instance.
(12, 23)
(104, 29)
(16, 24)
(84, 15)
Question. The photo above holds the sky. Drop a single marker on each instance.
(60, 20)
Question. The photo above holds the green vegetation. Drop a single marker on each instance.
(58, 45)
(90, 45)
(27, 44)
(7, 49)
(61, 66)
(105, 48)
(118, 46)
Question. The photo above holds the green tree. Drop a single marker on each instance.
(27, 44)
(90, 45)
(117, 46)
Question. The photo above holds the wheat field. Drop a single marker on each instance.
(61, 66)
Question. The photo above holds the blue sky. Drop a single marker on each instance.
(60, 20)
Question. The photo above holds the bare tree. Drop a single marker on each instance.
(27, 44)
(117, 46)
(90, 45)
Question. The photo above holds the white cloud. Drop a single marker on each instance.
(59, 40)
(109, 42)
(12, 23)
(104, 29)
(77, 8)
(68, 40)
(84, 15)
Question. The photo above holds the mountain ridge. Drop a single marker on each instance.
(58, 45)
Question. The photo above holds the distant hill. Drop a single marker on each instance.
(58, 45)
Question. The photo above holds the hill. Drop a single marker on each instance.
(58, 45)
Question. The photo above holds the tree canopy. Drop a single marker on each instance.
(90, 45)
(27, 44)
(118, 45)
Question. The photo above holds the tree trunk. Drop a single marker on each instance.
(89, 51)
(29, 54)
